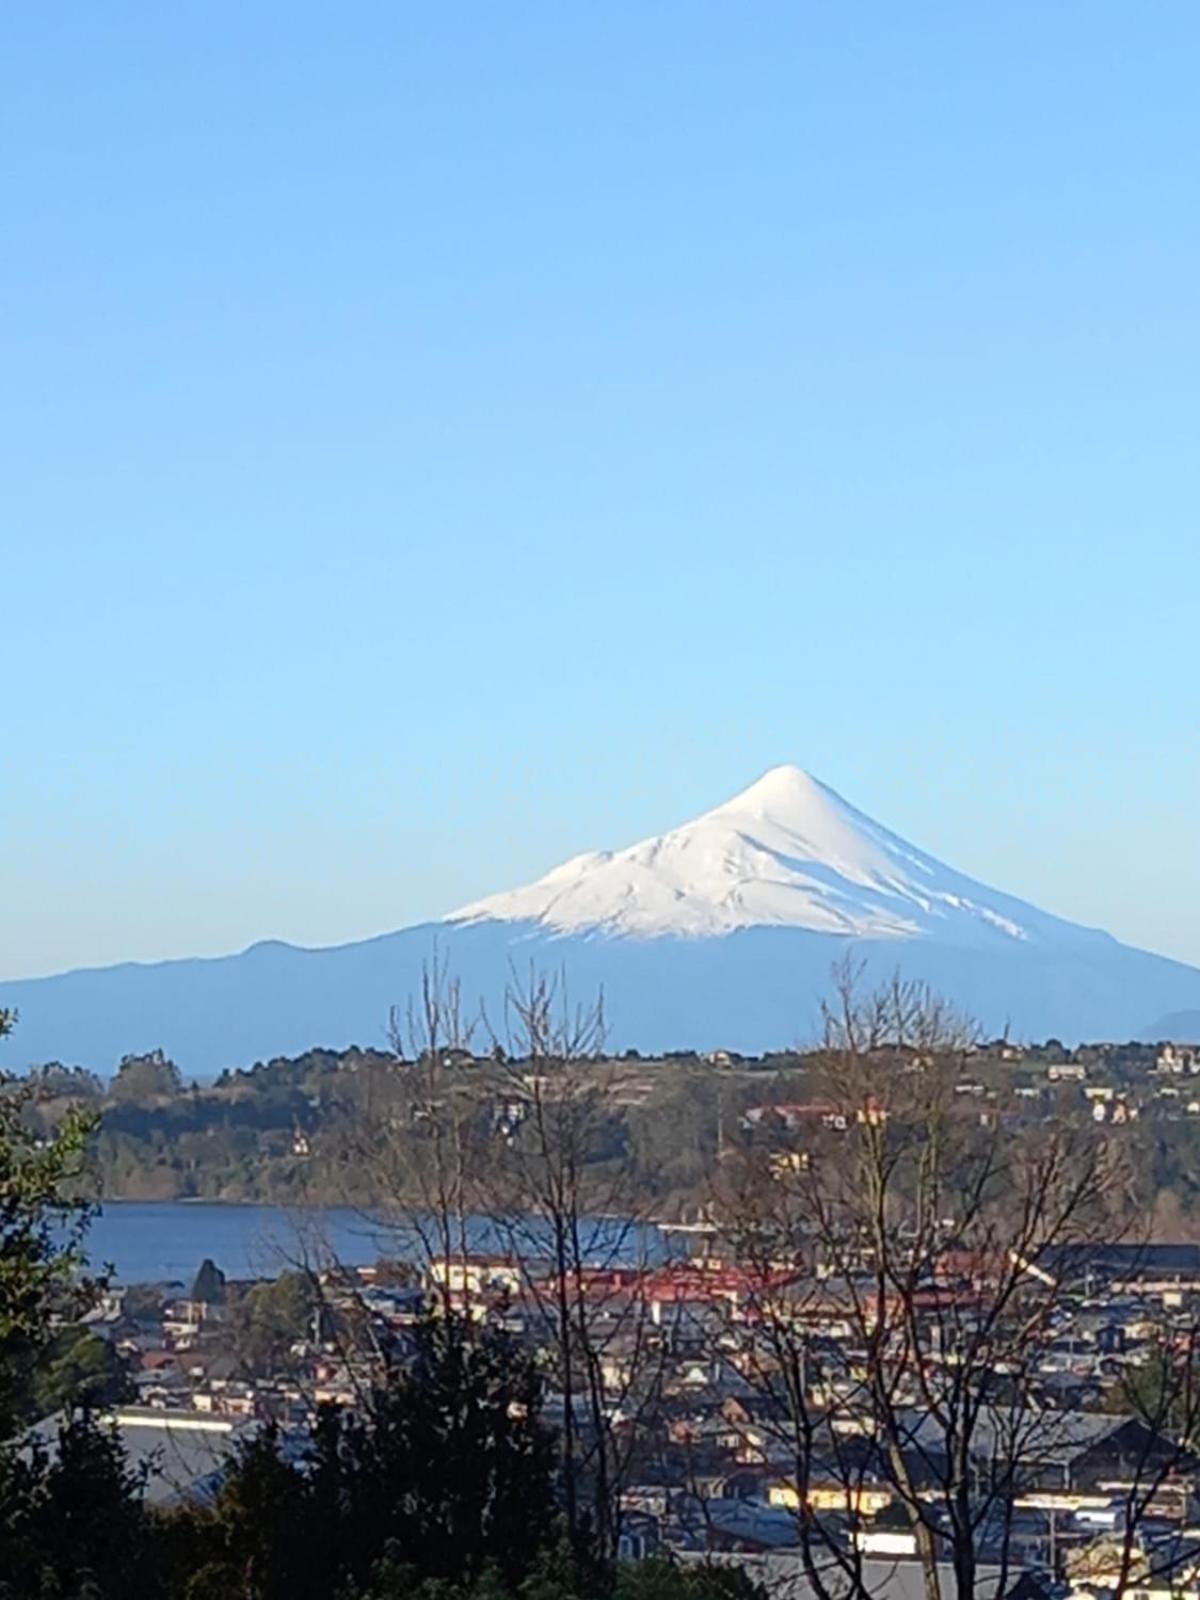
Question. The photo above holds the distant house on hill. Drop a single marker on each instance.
(1066, 1072)
(1174, 1060)
(797, 1114)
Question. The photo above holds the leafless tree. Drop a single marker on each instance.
(937, 1245)
(563, 1200)
(413, 1136)
(1163, 1397)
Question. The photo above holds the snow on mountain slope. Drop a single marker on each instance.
(786, 852)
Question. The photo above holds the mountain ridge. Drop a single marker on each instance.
(719, 933)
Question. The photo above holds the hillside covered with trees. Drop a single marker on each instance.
(291, 1130)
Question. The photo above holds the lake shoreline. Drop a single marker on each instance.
(165, 1241)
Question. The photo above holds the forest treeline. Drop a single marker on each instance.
(283, 1131)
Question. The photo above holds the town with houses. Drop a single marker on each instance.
(1100, 1488)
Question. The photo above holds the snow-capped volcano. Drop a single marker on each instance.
(722, 932)
(786, 852)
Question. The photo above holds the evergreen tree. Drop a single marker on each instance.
(42, 1224)
(454, 1463)
(446, 1475)
(208, 1286)
(255, 1542)
(144, 1078)
(72, 1522)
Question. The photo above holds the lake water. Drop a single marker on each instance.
(165, 1242)
(149, 1242)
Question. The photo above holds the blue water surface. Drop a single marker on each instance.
(165, 1241)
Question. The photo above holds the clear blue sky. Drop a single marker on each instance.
(438, 439)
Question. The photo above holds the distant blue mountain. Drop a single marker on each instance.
(721, 933)
(1182, 1027)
